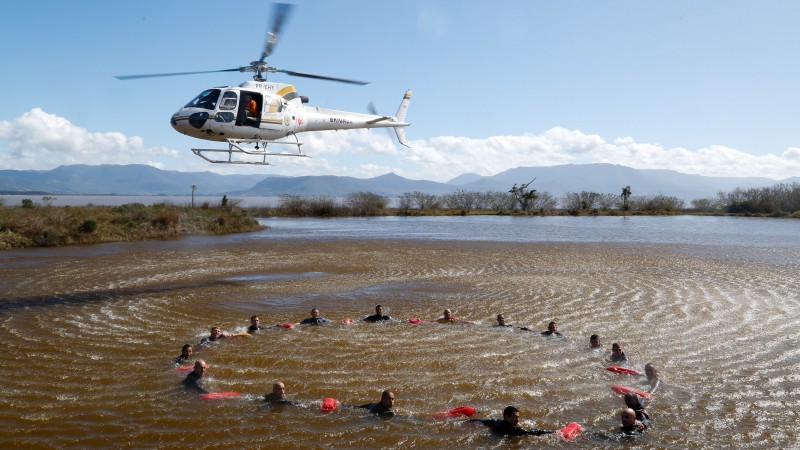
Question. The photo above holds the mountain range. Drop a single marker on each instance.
(557, 180)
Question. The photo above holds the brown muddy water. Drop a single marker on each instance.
(89, 337)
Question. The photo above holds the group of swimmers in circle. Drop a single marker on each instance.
(634, 417)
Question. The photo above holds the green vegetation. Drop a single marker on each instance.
(778, 201)
(30, 225)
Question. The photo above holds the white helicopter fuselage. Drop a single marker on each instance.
(267, 111)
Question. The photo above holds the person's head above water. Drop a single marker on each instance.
(215, 333)
(628, 417)
(511, 415)
(278, 389)
(387, 399)
(200, 367)
(594, 341)
(254, 321)
(186, 351)
(447, 314)
(632, 400)
(501, 320)
(551, 327)
(651, 371)
(379, 310)
(315, 313)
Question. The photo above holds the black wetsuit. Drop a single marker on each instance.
(314, 321)
(641, 413)
(631, 430)
(503, 428)
(619, 357)
(206, 340)
(376, 318)
(275, 400)
(181, 359)
(254, 328)
(192, 381)
(378, 408)
(551, 333)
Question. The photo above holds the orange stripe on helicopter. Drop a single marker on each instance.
(288, 93)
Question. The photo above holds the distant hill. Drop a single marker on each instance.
(133, 179)
(557, 180)
(611, 178)
(389, 185)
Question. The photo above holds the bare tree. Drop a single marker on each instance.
(626, 193)
(523, 195)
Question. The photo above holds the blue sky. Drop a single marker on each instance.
(707, 87)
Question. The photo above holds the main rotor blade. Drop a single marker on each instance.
(154, 75)
(281, 13)
(321, 77)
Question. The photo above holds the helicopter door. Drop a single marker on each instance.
(250, 109)
(227, 106)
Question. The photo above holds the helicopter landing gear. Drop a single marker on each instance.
(248, 151)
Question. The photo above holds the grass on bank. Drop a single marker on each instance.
(31, 225)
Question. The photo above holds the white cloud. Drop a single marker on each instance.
(444, 157)
(38, 140)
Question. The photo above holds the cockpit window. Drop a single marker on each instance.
(206, 100)
(228, 101)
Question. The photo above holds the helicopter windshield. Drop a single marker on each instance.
(206, 100)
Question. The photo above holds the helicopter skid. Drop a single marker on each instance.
(242, 147)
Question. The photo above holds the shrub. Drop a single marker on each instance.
(132, 212)
(88, 226)
(323, 206)
(166, 218)
(365, 203)
(27, 203)
(460, 199)
(51, 237)
(294, 205)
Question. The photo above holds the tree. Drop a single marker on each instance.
(626, 193)
(523, 196)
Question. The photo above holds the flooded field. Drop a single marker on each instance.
(90, 334)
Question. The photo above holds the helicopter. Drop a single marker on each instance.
(258, 115)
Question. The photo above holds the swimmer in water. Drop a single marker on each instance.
(315, 319)
(501, 322)
(255, 325)
(551, 330)
(651, 373)
(378, 316)
(193, 380)
(447, 317)
(214, 336)
(186, 354)
(617, 355)
(594, 342)
(383, 407)
(509, 425)
(630, 426)
(278, 395)
(633, 402)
